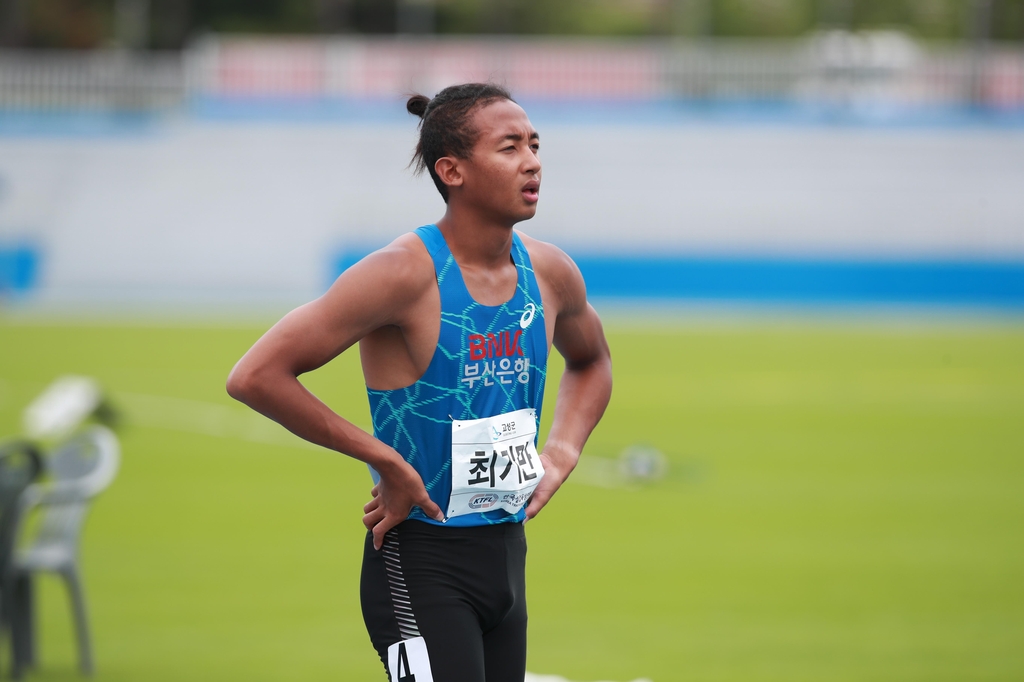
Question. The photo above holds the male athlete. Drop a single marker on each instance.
(454, 323)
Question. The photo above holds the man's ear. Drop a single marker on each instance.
(448, 170)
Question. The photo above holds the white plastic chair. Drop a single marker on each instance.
(78, 469)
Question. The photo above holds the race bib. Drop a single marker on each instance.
(408, 661)
(494, 463)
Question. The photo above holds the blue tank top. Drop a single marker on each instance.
(489, 360)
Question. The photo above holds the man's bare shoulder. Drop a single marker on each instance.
(403, 266)
(556, 269)
(383, 287)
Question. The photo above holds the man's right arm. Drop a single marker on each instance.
(380, 290)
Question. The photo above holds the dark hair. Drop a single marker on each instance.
(444, 124)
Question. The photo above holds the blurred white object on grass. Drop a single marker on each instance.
(642, 463)
(62, 407)
(638, 464)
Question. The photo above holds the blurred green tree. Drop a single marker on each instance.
(771, 18)
(172, 23)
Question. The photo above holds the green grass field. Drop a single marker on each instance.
(844, 502)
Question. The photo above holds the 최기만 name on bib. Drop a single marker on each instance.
(494, 463)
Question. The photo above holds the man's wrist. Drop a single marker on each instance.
(564, 454)
(386, 462)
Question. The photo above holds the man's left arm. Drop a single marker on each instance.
(585, 388)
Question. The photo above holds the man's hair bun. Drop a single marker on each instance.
(417, 105)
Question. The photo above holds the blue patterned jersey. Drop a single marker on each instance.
(489, 360)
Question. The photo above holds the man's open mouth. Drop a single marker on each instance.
(531, 191)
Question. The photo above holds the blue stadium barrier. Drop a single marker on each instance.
(71, 123)
(667, 112)
(997, 284)
(19, 268)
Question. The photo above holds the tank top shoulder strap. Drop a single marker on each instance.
(454, 294)
(432, 238)
(528, 287)
(519, 254)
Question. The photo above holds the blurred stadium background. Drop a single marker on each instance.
(803, 221)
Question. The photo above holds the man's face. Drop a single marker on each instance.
(502, 175)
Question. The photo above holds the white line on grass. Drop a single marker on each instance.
(208, 419)
(531, 677)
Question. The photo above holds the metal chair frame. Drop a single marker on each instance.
(80, 468)
(20, 465)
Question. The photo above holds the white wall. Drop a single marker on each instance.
(203, 211)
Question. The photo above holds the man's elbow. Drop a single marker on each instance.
(599, 364)
(597, 359)
(241, 384)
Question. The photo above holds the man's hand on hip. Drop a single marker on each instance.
(399, 490)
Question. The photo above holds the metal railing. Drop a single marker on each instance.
(829, 67)
(108, 79)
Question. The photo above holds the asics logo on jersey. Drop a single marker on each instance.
(527, 317)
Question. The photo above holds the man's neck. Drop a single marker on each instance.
(474, 239)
